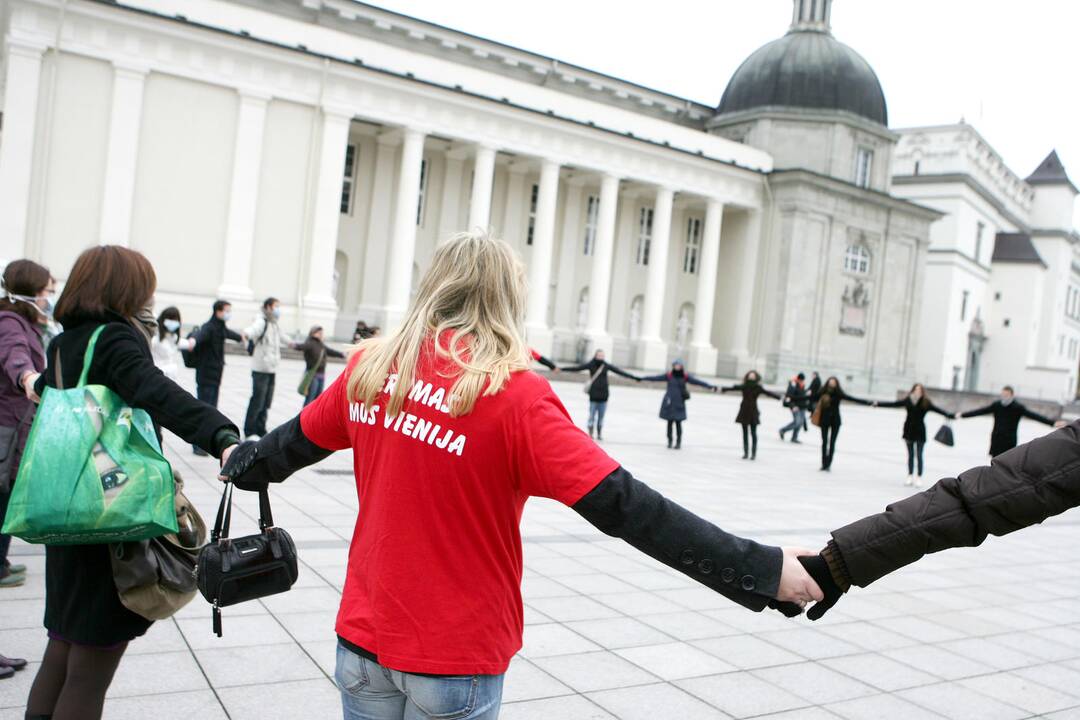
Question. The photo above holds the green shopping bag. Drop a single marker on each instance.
(92, 471)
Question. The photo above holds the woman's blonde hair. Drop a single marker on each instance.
(471, 302)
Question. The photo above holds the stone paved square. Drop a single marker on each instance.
(986, 633)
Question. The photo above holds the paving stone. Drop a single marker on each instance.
(1021, 692)
(960, 703)
(525, 681)
(226, 667)
(747, 652)
(675, 660)
(654, 702)
(573, 707)
(620, 632)
(282, 700)
(879, 707)
(879, 671)
(815, 683)
(742, 694)
(603, 670)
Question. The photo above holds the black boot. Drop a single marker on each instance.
(590, 431)
(599, 432)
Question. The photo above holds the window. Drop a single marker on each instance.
(533, 197)
(693, 246)
(350, 177)
(963, 305)
(592, 210)
(979, 228)
(421, 203)
(644, 238)
(864, 162)
(857, 260)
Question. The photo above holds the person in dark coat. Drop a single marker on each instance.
(828, 412)
(210, 355)
(546, 362)
(814, 391)
(673, 406)
(1007, 412)
(796, 399)
(1019, 488)
(749, 417)
(315, 354)
(597, 388)
(917, 404)
(88, 626)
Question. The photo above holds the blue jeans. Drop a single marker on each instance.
(315, 389)
(798, 419)
(596, 414)
(262, 395)
(370, 691)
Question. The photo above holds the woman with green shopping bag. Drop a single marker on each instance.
(89, 628)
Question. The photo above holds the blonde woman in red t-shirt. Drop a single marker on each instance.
(451, 434)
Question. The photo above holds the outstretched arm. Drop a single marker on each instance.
(857, 400)
(978, 411)
(773, 395)
(700, 383)
(1019, 488)
(655, 378)
(894, 404)
(576, 368)
(1032, 415)
(742, 570)
(620, 371)
(731, 388)
(939, 411)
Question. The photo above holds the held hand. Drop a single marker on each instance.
(796, 584)
(819, 570)
(873, 404)
(956, 416)
(191, 343)
(1060, 424)
(28, 386)
(556, 370)
(714, 389)
(237, 460)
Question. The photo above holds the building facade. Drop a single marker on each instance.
(1001, 301)
(319, 150)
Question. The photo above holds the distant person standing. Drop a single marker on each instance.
(1007, 412)
(264, 346)
(797, 400)
(315, 354)
(210, 355)
(917, 404)
(828, 416)
(749, 416)
(167, 344)
(815, 394)
(362, 332)
(597, 389)
(673, 406)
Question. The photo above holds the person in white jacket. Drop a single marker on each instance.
(264, 346)
(167, 344)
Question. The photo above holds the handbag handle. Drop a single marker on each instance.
(224, 513)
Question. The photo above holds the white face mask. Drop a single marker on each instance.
(1006, 400)
(171, 325)
(46, 312)
(226, 315)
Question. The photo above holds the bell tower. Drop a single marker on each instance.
(810, 16)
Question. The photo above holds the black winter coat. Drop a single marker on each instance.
(830, 406)
(81, 603)
(316, 352)
(915, 421)
(1006, 421)
(598, 390)
(673, 406)
(1021, 487)
(748, 409)
(814, 390)
(210, 350)
(796, 396)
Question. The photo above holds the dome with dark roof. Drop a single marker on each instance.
(807, 68)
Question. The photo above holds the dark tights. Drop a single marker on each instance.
(828, 444)
(678, 432)
(914, 452)
(72, 681)
(749, 441)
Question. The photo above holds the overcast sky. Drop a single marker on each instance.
(1009, 68)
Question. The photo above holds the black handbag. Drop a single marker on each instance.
(235, 570)
(944, 435)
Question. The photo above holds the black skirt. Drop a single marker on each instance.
(81, 602)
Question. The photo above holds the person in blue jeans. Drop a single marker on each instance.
(315, 354)
(597, 388)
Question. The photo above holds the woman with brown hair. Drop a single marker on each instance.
(827, 417)
(749, 416)
(917, 404)
(88, 627)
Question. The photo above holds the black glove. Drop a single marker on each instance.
(789, 609)
(819, 570)
(240, 461)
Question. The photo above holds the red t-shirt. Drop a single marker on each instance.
(434, 577)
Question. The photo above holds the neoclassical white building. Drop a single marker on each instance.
(1001, 300)
(318, 150)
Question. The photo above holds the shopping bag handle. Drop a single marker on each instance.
(88, 356)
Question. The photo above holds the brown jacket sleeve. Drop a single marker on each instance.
(1021, 487)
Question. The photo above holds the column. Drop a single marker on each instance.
(653, 350)
(703, 356)
(510, 229)
(540, 335)
(569, 266)
(243, 201)
(600, 277)
(483, 176)
(403, 243)
(747, 275)
(450, 207)
(121, 159)
(17, 148)
(319, 306)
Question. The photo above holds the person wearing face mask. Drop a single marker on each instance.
(1007, 412)
(917, 404)
(167, 344)
(673, 406)
(210, 355)
(264, 347)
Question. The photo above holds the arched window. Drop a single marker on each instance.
(857, 260)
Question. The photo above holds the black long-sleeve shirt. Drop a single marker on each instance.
(1006, 421)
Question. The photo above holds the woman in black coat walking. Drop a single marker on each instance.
(749, 416)
(88, 626)
(673, 406)
(827, 415)
(597, 388)
(917, 404)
